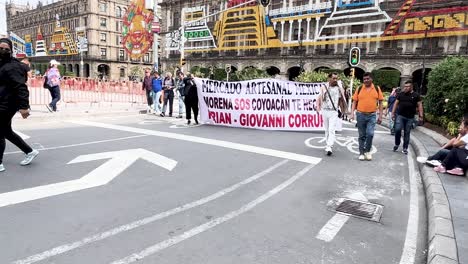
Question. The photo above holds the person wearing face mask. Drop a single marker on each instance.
(14, 97)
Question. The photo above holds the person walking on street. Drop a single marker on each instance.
(191, 99)
(406, 102)
(53, 84)
(366, 100)
(148, 88)
(157, 92)
(14, 97)
(328, 103)
(168, 87)
(390, 104)
(181, 93)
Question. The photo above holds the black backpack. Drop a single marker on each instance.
(46, 80)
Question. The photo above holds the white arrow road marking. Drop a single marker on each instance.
(334, 225)
(23, 136)
(207, 141)
(148, 220)
(213, 223)
(119, 161)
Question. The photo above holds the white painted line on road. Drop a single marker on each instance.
(207, 141)
(334, 225)
(23, 136)
(409, 249)
(118, 162)
(115, 231)
(82, 144)
(213, 223)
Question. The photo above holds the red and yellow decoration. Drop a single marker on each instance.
(137, 35)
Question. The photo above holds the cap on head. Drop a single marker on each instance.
(54, 62)
(7, 41)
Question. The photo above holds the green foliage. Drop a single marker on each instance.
(249, 73)
(316, 77)
(386, 79)
(447, 94)
(136, 71)
(452, 128)
(61, 69)
(69, 74)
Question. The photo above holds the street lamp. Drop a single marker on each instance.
(423, 62)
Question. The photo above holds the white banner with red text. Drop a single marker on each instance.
(268, 104)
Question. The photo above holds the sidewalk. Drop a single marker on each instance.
(447, 204)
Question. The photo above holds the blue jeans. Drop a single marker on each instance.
(157, 104)
(366, 126)
(55, 94)
(181, 105)
(440, 155)
(406, 124)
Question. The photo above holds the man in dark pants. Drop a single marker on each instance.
(14, 96)
(407, 101)
(148, 87)
(191, 99)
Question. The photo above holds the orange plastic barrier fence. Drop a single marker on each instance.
(77, 90)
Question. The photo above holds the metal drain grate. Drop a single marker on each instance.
(360, 209)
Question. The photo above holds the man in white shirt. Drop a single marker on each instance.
(328, 104)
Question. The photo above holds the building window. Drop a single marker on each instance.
(118, 12)
(119, 40)
(356, 29)
(103, 37)
(147, 57)
(103, 7)
(103, 52)
(122, 55)
(118, 26)
(122, 72)
(103, 22)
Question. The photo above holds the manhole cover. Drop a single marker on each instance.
(360, 209)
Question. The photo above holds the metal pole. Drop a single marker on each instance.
(423, 63)
(351, 92)
(81, 62)
(155, 38)
(182, 40)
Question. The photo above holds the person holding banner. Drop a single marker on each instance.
(191, 99)
(331, 94)
(365, 101)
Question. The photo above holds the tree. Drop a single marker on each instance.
(447, 94)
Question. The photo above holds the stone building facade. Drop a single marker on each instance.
(406, 35)
(101, 21)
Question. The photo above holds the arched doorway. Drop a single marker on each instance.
(272, 71)
(77, 70)
(70, 68)
(358, 73)
(86, 70)
(103, 71)
(294, 72)
(420, 78)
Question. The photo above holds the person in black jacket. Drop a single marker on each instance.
(14, 96)
(191, 99)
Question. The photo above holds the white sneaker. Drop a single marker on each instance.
(361, 157)
(433, 163)
(368, 156)
(29, 157)
(2, 168)
(421, 159)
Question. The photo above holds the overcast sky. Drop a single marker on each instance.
(3, 14)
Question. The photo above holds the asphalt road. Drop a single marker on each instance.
(153, 190)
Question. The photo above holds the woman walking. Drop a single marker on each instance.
(191, 99)
(53, 84)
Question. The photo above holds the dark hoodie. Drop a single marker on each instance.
(14, 94)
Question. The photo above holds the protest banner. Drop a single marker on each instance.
(268, 104)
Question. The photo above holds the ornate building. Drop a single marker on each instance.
(406, 35)
(57, 26)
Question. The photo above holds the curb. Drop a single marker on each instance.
(442, 246)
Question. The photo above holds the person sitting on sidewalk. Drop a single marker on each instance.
(436, 159)
(456, 161)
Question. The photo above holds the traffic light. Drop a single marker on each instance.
(351, 73)
(182, 61)
(354, 56)
(264, 3)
